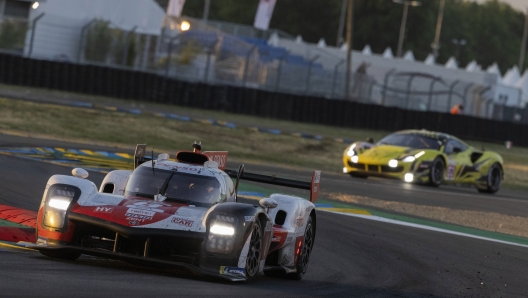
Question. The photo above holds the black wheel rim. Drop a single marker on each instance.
(438, 172)
(253, 258)
(306, 249)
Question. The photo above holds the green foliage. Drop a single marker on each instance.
(103, 42)
(493, 30)
(12, 34)
(98, 41)
(188, 53)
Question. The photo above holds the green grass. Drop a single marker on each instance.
(125, 130)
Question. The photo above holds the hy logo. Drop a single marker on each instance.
(104, 209)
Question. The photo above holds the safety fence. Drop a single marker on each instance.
(218, 53)
(150, 87)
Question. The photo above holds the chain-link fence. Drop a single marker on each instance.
(205, 53)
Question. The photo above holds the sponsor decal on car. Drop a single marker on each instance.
(249, 218)
(137, 217)
(140, 212)
(317, 177)
(104, 209)
(152, 206)
(276, 239)
(182, 221)
(41, 241)
(233, 271)
(133, 223)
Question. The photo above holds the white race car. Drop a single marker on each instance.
(182, 212)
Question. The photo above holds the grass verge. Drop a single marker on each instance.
(121, 129)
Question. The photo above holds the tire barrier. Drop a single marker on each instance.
(153, 87)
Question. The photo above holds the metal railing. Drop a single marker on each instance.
(206, 54)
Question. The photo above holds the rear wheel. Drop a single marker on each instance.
(255, 249)
(436, 175)
(306, 251)
(493, 179)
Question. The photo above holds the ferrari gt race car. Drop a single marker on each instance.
(180, 213)
(420, 156)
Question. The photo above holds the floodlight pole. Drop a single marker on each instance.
(406, 4)
(339, 40)
(207, 6)
(523, 44)
(350, 11)
(436, 42)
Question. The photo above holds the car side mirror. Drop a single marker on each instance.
(457, 150)
(268, 203)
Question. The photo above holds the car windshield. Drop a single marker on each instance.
(415, 141)
(176, 186)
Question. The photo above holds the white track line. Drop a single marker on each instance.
(424, 227)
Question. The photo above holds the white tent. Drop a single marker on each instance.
(451, 63)
(430, 60)
(273, 40)
(494, 69)
(367, 50)
(388, 53)
(321, 43)
(299, 39)
(472, 66)
(512, 76)
(409, 56)
(522, 84)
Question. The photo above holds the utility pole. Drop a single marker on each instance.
(523, 44)
(207, 5)
(350, 11)
(436, 42)
(406, 4)
(339, 40)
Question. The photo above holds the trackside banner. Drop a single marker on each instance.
(175, 8)
(264, 14)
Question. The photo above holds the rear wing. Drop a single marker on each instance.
(312, 186)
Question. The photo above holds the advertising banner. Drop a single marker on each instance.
(264, 14)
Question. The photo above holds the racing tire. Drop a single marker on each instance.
(493, 180)
(436, 175)
(306, 251)
(254, 252)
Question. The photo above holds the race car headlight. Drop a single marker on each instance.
(354, 159)
(223, 230)
(351, 151)
(409, 159)
(56, 205)
(221, 237)
(393, 163)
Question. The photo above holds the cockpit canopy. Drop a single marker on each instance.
(177, 186)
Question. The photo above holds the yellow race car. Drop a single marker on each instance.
(425, 157)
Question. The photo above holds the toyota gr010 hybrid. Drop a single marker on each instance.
(420, 156)
(182, 212)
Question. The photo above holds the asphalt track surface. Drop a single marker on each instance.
(352, 257)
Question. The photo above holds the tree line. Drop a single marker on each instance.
(492, 30)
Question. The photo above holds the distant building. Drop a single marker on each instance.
(58, 32)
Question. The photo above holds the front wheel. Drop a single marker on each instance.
(254, 252)
(493, 179)
(436, 176)
(306, 251)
